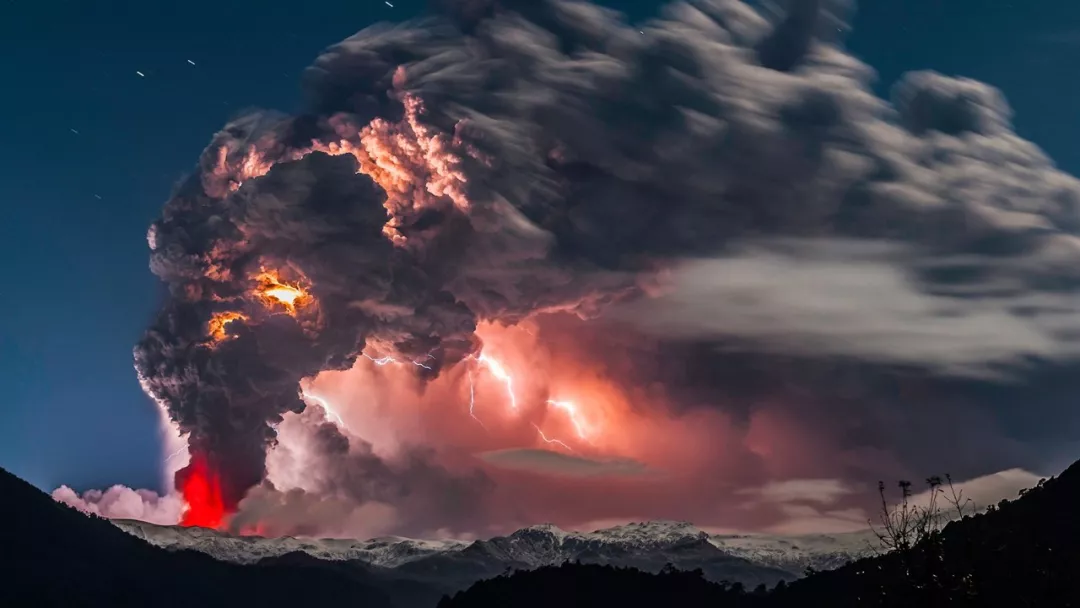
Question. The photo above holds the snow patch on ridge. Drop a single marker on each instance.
(532, 546)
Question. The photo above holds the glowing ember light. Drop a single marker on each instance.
(325, 405)
(571, 411)
(417, 166)
(202, 496)
(414, 165)
(555, 441)
(217, 327)
(500, 374)
(275, 293)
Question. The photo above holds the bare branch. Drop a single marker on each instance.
(962, 506)
(904, 525)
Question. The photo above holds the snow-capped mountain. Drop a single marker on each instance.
(797, 553)
(450, 565)
(386, 552)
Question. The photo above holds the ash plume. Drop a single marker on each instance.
(516, 157)
(322, 481)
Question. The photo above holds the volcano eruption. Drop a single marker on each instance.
(201, 489)
(523, 261)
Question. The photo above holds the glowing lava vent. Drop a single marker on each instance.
(201, 489)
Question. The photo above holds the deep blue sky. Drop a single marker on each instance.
(76, 205)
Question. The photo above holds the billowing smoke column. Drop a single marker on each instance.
(516, 157)
(287, 276)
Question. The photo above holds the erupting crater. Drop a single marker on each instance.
(201, 488)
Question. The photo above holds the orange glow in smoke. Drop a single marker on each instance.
(217, 327)
(273, 292)
(227, 175)
(520, 395)
(416, 166)
(516, 392)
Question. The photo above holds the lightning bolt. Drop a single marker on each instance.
(325, 405)
(419, 364)
(500, 374)
(571, 411)
(498, 370)
(555, 441)
(472, 400)
(176, 453)
(381, 361)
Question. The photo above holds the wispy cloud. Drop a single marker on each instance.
(864, 300)
(564, 465)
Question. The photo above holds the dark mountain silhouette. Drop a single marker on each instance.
(574, 584)
(54, 555)
(1024, 552)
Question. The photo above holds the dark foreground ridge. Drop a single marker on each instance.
(53, 555)
(576, 584)
(1024, 552)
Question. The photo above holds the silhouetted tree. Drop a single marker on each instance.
(905, 524)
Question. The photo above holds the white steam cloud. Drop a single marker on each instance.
(122, 502)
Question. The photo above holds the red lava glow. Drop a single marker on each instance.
(202, 496)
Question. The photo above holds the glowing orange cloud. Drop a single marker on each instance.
(275, 293)
(571, 410)
(561, 437)
(500, 372)
(217, 327)
(496, 368)
(519, 402)
(416, 166)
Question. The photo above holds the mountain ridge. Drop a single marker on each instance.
(748, 558)
(55, 555)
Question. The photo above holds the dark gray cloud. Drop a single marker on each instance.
(562, 157)
(315, 220)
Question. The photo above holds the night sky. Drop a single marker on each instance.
(91, 149)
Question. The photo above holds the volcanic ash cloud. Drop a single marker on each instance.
(545, 165)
